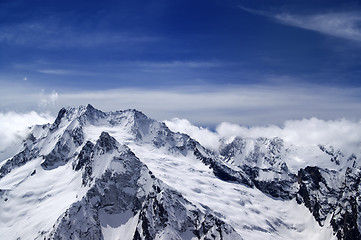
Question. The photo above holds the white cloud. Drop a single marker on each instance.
(204, 136)
(305, 132)
(345, 25)
(14, 128)
(53, 96)
(341, 134)
(48, 99)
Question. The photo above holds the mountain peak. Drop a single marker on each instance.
(90, 107)
(84, 115)
(57, 121)
(91, 115)
(106, 142)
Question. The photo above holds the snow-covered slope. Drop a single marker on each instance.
(122, 175)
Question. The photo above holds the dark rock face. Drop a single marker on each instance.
(316, 193)
(18, 160)
(85, 160)
(224, 172)
(346, 218)
(60, 155)
(278, 188)
(77, 136)
(341, 202)
(57, 157)
(84, 156)
(335, 155)
(106, 143)
(58, 119)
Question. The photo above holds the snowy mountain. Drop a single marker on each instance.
(122, 175)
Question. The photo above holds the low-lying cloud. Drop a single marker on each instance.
(204, 136)
(14, 128)
(306, 132)
(341, 134)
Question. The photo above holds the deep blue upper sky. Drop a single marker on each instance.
(113, 44)
(255, 47)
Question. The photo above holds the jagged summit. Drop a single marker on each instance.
(100, 175)
(90, 115)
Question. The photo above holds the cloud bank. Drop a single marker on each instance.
(248, 105)
(305, 132)
(341, 134)
(204, 136)
(14, 127)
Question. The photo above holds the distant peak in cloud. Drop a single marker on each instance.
(342, 133)
(312, 131)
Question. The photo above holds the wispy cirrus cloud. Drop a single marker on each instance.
(177, 65)
(181, 64)
(56, 71)
(345, 25)
(341, 24)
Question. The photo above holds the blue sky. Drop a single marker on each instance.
(248, 62)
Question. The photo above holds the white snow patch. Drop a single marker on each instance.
(32, 205)
(118, 226)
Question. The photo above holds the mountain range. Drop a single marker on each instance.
(122, 175)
